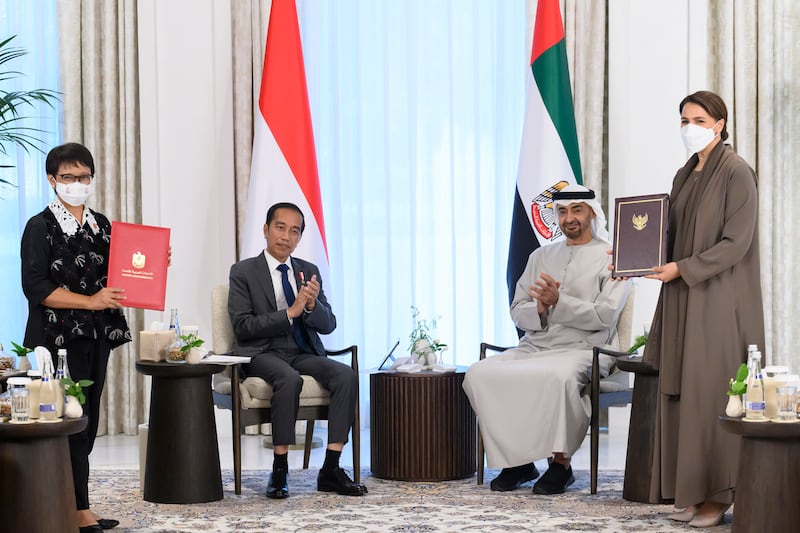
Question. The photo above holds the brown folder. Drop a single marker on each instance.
(138, 262)
(640, 234)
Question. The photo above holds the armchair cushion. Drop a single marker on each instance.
(257, 393)
(616, 381)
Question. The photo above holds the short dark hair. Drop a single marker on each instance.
(68, 153)
(713, 105)
(286, 205)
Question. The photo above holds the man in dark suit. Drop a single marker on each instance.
(277, 322)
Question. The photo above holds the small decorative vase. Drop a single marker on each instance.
(734, 408)
(23, 363)
(194, 356)
(73, 408)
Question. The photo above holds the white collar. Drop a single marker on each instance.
(273, 262)
(69, 224)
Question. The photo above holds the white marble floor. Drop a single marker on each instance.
(122, 451)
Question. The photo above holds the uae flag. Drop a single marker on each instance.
(284, 166)
(549, 158)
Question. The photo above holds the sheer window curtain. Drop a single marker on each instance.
(754, 60)
(417, 111)
(98, 48)
(26, 191)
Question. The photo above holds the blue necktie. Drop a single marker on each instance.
(297, 331)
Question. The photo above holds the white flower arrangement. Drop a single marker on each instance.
(423, 346)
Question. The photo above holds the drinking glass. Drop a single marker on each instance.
(787, 403)
(20, 400)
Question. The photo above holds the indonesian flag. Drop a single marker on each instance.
(549, 159)
(284, 167)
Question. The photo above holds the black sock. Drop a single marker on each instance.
(331, 459)
(281, 462)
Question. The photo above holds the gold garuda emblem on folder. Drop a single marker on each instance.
(639, 221)
(138, 260)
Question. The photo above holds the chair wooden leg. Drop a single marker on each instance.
(594, 439)
(357, 446)
(480, 454)
(309, 442)
(236, 406)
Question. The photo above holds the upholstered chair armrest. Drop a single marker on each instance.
(352, 350)
(595, 381)
(486, 346)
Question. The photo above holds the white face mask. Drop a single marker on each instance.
(74, 194)
(696, 138)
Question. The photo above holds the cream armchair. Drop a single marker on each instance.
(250, 402)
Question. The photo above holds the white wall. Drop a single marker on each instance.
(187, 146)
(656, 57)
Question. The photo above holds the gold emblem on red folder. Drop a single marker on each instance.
(138, 260)
(639, 221)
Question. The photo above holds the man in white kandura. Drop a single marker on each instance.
(529, 399)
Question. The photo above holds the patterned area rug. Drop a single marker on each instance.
(390, 506)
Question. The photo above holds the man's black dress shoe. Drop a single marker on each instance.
(107, 523)
(512, 478)
(278, 487)
(555, 480)
(336, 480)
(94, 528)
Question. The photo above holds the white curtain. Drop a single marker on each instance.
(98, 49)
(417, 109)
(24, 190)
(754, 64)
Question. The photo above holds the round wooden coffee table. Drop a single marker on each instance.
(182, 464)
(35, 466)
(422, 427)
(768, 481)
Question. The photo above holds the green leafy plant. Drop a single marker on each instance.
(190, 341)
(13, 132)
(21, 351)
(423, 331)
(640, 341)
(739, 383)
(71, 388)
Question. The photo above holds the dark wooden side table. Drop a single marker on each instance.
(182, 464)
(768, 481)
(639, 485)
(34, 466)
(422, 427)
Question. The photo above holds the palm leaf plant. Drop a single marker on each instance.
(13, 131)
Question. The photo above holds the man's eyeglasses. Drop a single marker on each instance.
(85, 179)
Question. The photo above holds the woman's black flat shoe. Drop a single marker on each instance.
(107, 523)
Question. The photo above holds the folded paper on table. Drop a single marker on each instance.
(137, 262)
(153, 344)
(224, 359)
(640, 234)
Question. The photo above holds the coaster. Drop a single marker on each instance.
(12, 421)
(759, 420)
(789, 421)
(42, 421)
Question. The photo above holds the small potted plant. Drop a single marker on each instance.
(22, 356)
(738, 386)
(638, 342)
(186, 349)
(74, 396)
(423, 347)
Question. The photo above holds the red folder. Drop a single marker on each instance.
(138, 262)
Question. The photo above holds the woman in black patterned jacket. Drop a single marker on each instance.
(64, 269)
